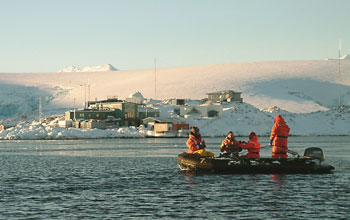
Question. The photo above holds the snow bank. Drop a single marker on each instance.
(241, 118)
(35, 131)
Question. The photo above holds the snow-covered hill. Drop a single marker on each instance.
(102, 68)
(296, 87)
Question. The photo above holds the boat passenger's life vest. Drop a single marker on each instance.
(197, 145)
(193, 143)
(253, 147)
(279, 137)
(229, 146)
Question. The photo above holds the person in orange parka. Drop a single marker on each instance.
(252, 146)
(279, 138)
(196, 145)
(230, 145)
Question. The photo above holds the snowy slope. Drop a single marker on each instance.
(296, 86)
(305, 92)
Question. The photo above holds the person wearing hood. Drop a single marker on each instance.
(279, 138)
(253, 146)
(230, 146)
(196, 145)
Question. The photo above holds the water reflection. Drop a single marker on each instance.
(277, 180)
(190, 180)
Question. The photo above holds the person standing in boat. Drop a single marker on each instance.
(253, 146)
(230, 147)
(196, 145)
(279, 138)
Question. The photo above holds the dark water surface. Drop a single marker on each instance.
(139, 178)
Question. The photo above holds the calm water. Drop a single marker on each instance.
(139, 178)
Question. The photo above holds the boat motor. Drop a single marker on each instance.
(314, 153)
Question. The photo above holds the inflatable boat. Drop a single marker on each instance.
(311, 162)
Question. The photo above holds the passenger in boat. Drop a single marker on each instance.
(196, 145)
(230, 146)
(279, 138)
(252, 146)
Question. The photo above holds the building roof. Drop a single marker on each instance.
(147, 109)
(163, 120)
(91, 110)
(108, 100)
(223, 92)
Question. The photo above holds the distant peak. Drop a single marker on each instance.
(102, 68)
(345, 57)
(70, 69)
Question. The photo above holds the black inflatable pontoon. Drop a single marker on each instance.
(311, 162)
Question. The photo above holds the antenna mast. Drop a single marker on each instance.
(40, 109)
(74, 111)
(85, 96)
(339, 75)
(88, 90)
(155, 78)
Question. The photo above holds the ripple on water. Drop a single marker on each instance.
(78, 187)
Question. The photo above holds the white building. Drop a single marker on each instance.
(136, 97)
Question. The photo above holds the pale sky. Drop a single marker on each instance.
(47, 35)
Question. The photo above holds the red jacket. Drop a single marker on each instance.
(193, 143)
(279, 136)
(253, 147)
(228, 146)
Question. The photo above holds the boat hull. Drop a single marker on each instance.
(193, 162)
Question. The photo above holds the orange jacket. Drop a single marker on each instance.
(253, 147)
(193, 143)
(279, 135)
(228, 146)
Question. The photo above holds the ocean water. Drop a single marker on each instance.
(139, 178)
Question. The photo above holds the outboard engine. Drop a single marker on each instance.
(314, 153)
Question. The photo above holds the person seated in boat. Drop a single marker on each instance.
(230, 146)
(252, 146)
(196, 144)
(279, 138)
